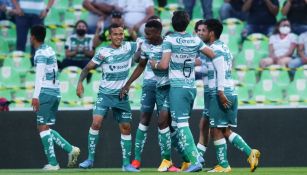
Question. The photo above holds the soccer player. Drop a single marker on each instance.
(46, 99)
(204, 132)
(151, 49)
(115, 61)
(223, 101)
(180, 50)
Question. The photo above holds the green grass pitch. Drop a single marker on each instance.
(152, 171)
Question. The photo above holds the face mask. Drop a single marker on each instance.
(80, 32)
(284, 30)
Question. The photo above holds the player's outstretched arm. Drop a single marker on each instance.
(90, 65)
(136, 73)
(208, 52)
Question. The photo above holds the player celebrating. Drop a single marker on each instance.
(46, 99)
(204, 132)
(115, 61)
(180, 50)
(223, 100)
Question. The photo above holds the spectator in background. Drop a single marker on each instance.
(102, 35)
(99, 9)
(261, 18)
(28, 14)
(136, 13)
(296, 12)
(206, 5)
(4, 104)
(281, 45)
(7, 11)
(301, 51)
(79, 47)
(232, 9)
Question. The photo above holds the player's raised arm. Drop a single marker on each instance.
(206, 50)
(90, 65)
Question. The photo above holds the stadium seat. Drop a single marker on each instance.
(91, 89)
(22, 98)
(135, 97)
(18, 60)
(8, 31)
(297, 92)
(68, 84)
(278, 74)
(9, 77)
(243, 76)
(216, 5)
(199, 100)
(268, 93)
(4, 46)
(53, 17)
(243, 95)
(301, 73)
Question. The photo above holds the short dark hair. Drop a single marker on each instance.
(39, 32)
(216, 26)
(81, 21)
(154, 24)
(113, 26)
(153, 17)
(116, 14)
(198, 23)
(180, 20)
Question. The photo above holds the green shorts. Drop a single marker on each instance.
(206, 105)
(121, 108)
(48, 106)
(181, 103)
(162, 97)
(148, 99)
(221, 117)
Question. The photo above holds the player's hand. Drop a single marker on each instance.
(19, 12)
(80, 90)
(198, 62)
(124, 91)
(35, 104)
(153, 64)
(43, 14)
(223, 99)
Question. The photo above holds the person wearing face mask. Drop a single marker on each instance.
(281, 45)
(79, 47)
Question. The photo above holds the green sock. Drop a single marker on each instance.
(221, 152)
(60, 141)
(187, 141)
(125, 143)
(176, 145)
(140, 139)
(201, 149)
(92, 142)
(165, 143)
(48, 147)
(239, 143)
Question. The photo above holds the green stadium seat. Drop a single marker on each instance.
(199, 100)
(9, 77)
(301, 73)
(4, 46)
(267, 92)
(22, 98)
(297, 92)
(278, 74)
(68, 84)
(216, 5)
(243, 95)
(91, 89)
(8, 31)
(135, 97)
(53, 17)
(18, 60)
(5, 93)
(244, 77)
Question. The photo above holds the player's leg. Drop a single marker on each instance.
(221, 151)
(218, 121)
(235, 139)
(100, 110)
(147, 106)
(45, 117)
(181, 103)
(73, 152)
(204, 131)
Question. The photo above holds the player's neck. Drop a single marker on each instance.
(157, 42)
(115, 46)
(212, 40)
(36, 45)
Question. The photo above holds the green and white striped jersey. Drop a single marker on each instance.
(46, 80)
(32, 6)
(206, 63)
(73, 42)
(115, 64)
(219, 71)
(149, 76)
(184, 49)
(154, 52)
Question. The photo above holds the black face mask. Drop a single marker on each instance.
(81, 32)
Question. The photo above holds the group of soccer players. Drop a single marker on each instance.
(169, 83)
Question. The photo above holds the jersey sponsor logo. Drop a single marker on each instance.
(117, 67)
(184, 41)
